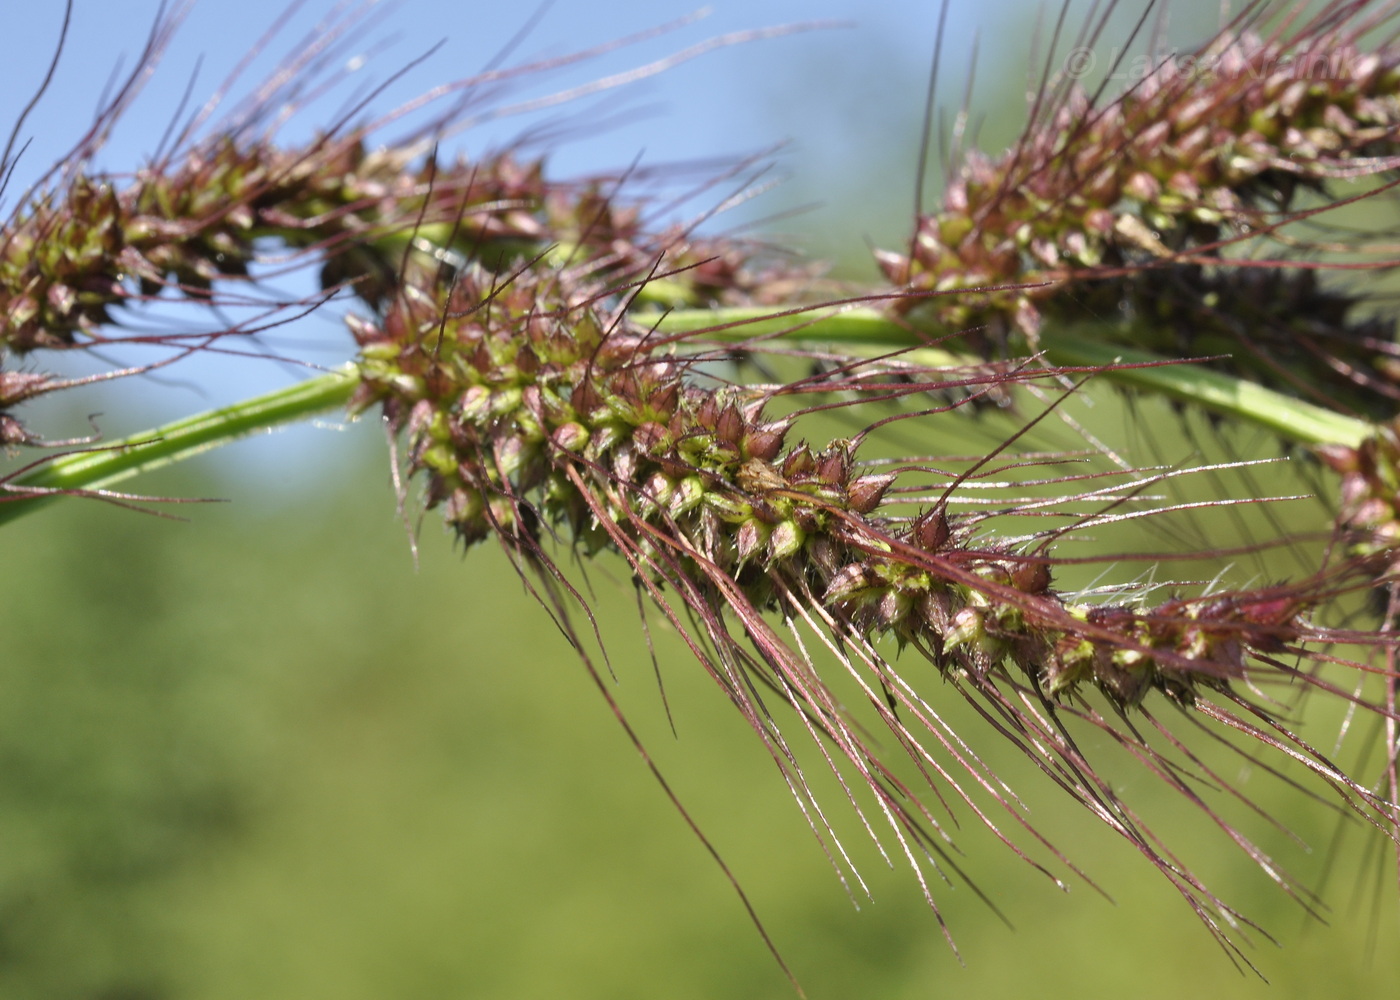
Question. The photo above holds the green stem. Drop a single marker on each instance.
(1290, 418)
(851, 328)
(845, 326)
(108, 464)
(1285, 416)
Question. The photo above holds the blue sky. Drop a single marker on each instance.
(721, 99)
(832, 93)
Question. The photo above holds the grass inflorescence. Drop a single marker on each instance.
(566, 374)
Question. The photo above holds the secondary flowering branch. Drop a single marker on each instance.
(201, 218)
(1180, 209)
(540, 406)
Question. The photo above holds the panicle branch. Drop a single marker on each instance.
(202, 218)
(542, 407)
(1185, 211)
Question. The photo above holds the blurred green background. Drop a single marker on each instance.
(259, 753)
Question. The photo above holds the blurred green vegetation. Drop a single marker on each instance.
(258, 754)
